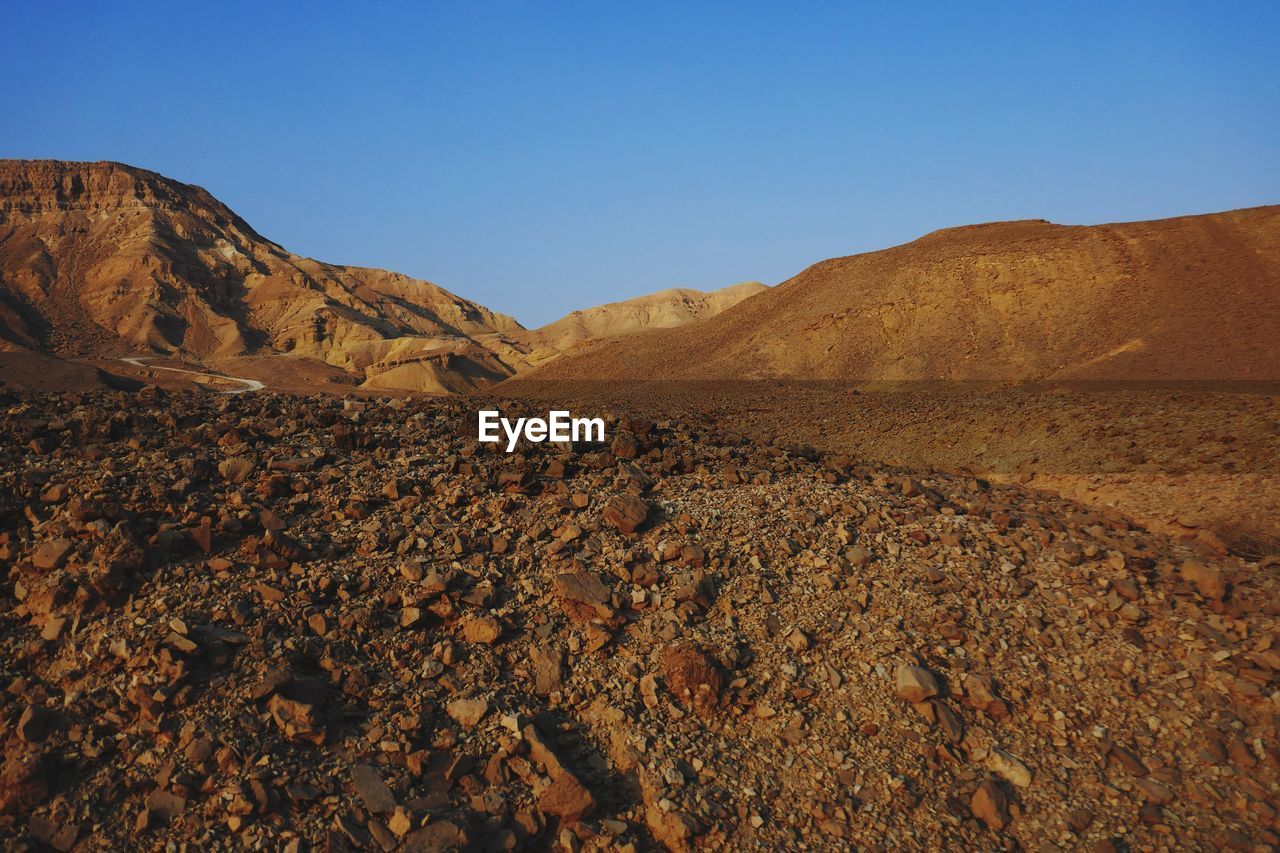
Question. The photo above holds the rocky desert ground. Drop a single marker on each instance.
(273, 621)
(1195, 460)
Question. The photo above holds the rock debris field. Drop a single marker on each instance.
(302, 623)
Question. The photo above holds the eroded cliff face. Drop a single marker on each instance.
(104, 259)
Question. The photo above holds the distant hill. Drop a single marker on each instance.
(1195, 297)
(664, 309)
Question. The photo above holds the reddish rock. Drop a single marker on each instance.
(481, 629)
(692, 676)
(297, 720)
(375, 793)
(59, 836)
(915, 683)
(52, 554)
(990, 805)
(23, 781)
(439, 835)
(626, 513)
(566, 798)
(34, 723)
(584, 597)
(202, 534)
(1207, 580)
(236, 469)
(548, 666)
(468, 712)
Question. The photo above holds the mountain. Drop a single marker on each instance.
(99, 260)
(104, 259)
(1194, 297)
(663, 309)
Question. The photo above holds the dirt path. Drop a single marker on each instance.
(249, 384)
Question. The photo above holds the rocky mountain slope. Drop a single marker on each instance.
(1196, 297)
(105, 259)
(526, 350)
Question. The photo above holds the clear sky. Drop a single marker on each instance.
(545, 156)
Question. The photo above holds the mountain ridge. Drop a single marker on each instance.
(1190, 297)
(104, 259)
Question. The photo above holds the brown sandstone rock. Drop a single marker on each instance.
(368, 783)
(915, 683)
(468, 712)
(583, 596)
(990, 805)
(566, 798)
(692, 676)
(23, 781)
(626, 513)
(52, 554)
(1207, 580)
(481, 629)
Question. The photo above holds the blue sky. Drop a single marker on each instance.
(540, 157)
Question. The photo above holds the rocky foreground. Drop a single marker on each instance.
(287, 622)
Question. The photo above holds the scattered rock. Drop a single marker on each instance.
(1009, 768)
(566, 798)
(1207, 580)
(368, 783)
(52, 554)
(59, 836)
(1154, 791)
(468, 712)
(400, 822)
(584, 597)
(481, 629)
(692, 676)
(626, 513)
(163, 806)
(548, 667)
(437, 836)
(34, 723)
(23, 781)
(308, 658)
(990, 805)
(915, 683)
(236, 469)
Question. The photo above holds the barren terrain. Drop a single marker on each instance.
(266, 620)
(1189, 298)
(1195, 460)
(971, 543)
